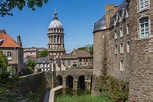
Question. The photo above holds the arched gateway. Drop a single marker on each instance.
(69, 81)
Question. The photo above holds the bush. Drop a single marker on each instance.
(33, 97)
(118, 89)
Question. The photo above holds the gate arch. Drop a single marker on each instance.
(81, 82)
(69, 81)
(59, 80)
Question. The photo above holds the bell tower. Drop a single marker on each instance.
(56, 36)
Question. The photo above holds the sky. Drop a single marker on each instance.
(76, 16)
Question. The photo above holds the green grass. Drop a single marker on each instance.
(84, 98)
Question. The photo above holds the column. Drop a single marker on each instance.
(75, 86)
(88, 84)
(64, 82)
(54, 38)
(59, 39)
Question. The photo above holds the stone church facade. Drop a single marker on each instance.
(123, 47)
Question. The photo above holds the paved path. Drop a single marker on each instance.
(52, 93)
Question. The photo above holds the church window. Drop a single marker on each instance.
(144, 27)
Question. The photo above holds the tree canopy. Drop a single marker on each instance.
(31, 64)
(3, 61)
(6, 6)
(88, 47)
(44, 53)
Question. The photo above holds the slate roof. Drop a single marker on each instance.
(119, 11)
(69, 56)
(40, 59)
(6, 40)
(101, 24)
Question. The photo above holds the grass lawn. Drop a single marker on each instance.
(84, 98)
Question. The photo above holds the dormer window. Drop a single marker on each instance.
(124, 13)
(143, 4)
(1, 41)
(120, 17)
(114, 22)
(117, 17)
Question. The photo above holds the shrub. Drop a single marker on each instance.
(118, 89)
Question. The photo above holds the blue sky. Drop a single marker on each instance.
(77, 17)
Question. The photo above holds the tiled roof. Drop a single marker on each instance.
(83, 53)
(51, 57)
(7, 41)
(68, 56)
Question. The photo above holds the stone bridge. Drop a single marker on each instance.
(75, 78)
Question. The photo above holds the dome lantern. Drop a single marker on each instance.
(55, 23)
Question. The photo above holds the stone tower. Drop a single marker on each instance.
(56, 37)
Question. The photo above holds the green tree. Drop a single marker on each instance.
(91, 50)
(3, 61)
(31, 64)
(88, 47)
(81, 48)
(6, 6)
(44, 53)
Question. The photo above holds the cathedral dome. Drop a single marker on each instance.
(55, 23)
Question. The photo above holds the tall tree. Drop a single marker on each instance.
(31, 64)
(6, 6)
(44, 53)
(3, 61)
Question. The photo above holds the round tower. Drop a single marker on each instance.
(56, 36)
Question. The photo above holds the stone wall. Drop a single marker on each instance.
(100, 60)
(141, 76)
(138, 62)
(32, 83)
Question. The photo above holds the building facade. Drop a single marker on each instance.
(32, 52)
(123, 47)
(13, 51)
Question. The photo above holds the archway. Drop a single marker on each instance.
(81, 82)
(69, 81)
(59, 80)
